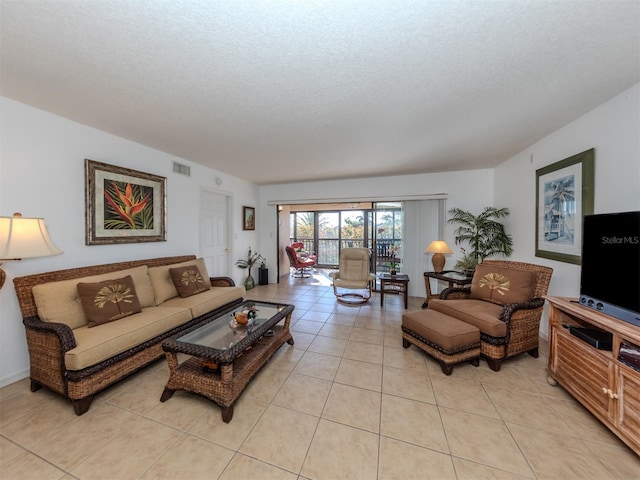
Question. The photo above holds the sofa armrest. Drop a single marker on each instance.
(455, 293)
(47, 343)
(60, 330)
(513, 311)
(222, 282)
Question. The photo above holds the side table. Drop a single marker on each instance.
(396, 284)
(452, 277)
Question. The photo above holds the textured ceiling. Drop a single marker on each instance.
(284, 91)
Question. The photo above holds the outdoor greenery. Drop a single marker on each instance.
(327, 231)
(304, 225)
(485, 236)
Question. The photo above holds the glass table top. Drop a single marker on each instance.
(224, 332)
(449, 275)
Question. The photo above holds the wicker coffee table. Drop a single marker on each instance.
(225, 356)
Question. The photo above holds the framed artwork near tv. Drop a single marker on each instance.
(564, 195)
(123, 205)
(248, 218)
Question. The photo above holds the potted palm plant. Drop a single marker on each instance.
(483, 233)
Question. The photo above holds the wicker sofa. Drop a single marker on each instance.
(507, 327)
(70, 358)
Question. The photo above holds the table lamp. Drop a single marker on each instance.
(22, 237)
(438, 248)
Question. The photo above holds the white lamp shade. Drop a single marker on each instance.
(22, 237)
(438, 246)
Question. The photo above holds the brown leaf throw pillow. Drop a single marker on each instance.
(188, 280)
(109, 300)
(502, 285)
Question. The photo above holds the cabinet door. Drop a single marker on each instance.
(583, 371)
(629, 404)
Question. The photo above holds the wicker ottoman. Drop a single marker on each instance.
(447, 339)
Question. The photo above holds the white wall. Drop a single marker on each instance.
(42, 175)
(613, 129)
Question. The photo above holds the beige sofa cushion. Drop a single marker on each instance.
(206, 301)
(484, 315)
(502, 285)
(59, 302)
(104, 341)
(163, 286)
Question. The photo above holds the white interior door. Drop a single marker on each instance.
(214, 232)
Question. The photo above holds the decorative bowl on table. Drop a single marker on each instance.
(242, 318)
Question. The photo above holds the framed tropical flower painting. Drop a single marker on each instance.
(123, 205)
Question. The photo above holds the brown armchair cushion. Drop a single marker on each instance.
(502, 285)
(188, 280)
(109, 300)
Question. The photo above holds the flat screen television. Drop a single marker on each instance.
(610, 275)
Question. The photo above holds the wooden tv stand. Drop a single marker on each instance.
(608, 388)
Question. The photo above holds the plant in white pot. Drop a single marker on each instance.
(484, 234)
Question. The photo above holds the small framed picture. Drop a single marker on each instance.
(248, 218)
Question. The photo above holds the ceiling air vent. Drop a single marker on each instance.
(181, 169)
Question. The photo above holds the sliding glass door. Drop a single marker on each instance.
(387, 225)
(337, 230)
(302, 226)
(352, 229)
(328, 238)
(326, 232)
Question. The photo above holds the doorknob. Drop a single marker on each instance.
(226, 250)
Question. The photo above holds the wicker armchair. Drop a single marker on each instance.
(522, 319)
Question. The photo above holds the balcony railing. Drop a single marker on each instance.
(329, 251)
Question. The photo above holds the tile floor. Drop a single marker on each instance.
(345, 402)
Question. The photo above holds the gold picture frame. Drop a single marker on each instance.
(123, 205)
(564, 195)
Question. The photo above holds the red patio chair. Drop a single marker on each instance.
(301, 267)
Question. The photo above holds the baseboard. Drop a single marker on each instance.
(9, 379)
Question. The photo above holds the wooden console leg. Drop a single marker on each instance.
(35, 385)
(82, 406)
(406, 343)
(290, 341)
(533, 352)
(167, 394)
